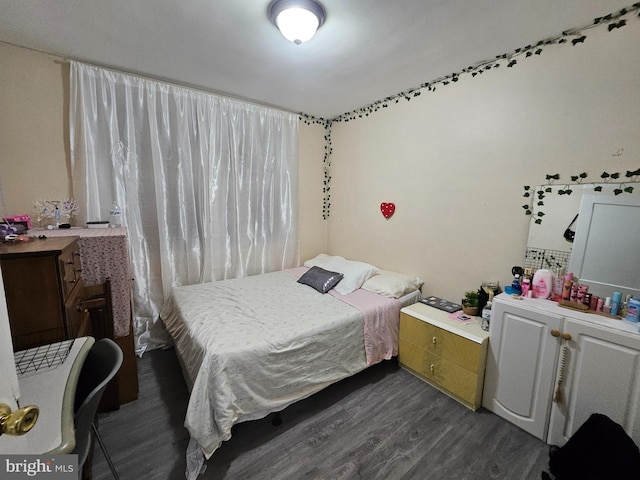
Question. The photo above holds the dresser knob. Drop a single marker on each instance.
(434, 340)
(432, 368)
(566, 336)
(555, 333)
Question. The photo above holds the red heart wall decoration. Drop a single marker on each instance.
(387, 209)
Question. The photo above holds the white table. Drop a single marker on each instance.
(49, 381)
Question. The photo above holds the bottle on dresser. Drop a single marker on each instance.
(633, 311)
(486, 317)
(525, 281)
(558, 282)
(542, 283)
(606, 307)
(615, 303)
(516, 285)
(624, 305)
(566, 286)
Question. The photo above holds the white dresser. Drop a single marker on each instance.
(531, 339)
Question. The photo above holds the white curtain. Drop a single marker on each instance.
(207, 184)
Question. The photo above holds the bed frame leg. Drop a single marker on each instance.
(277, 419)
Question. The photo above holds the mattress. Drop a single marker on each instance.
(254, 345)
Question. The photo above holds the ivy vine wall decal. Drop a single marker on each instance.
(536, 198)
(573, 37)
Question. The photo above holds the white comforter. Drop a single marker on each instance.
(254, 345)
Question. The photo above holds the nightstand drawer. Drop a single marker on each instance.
(447, 345)
(440, 372)
(449, 355)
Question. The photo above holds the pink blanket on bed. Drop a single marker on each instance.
(381, 320)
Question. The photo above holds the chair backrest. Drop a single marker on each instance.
(96, 300)
(101, 365)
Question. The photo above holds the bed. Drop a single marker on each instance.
(254, 345)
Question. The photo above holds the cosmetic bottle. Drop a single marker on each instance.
(615, 303)
(526, 287)
(486, 317)
(624, 305)
(599, 305)
(574, 293)
(606, 308)
(593, 305)
(566, 286)
(515, 285)
(582, 291)
(542, 283)
(558, 282)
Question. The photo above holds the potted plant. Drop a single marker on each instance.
(470, 302)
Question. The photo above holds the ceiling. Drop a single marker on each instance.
(366, 49)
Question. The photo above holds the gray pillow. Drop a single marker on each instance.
(320, 279)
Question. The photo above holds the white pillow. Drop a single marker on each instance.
(392, 284)
(355, 273)
(323, 261)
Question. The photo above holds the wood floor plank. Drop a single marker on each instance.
(383, 423)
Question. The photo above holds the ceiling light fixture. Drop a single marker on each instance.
(297, 20)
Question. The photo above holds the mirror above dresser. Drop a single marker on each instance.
(550, 245)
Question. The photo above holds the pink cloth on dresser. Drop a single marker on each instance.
(104, 252)
(381, 321)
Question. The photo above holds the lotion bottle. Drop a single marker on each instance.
(542, 283)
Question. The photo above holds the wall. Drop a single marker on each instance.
(455, 161)
(33, 129)
(312, 228)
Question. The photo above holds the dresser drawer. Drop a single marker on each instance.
(70, 269)
(454, 348)
(446, 354)
(440, 372)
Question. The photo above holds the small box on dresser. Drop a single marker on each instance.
(446, 353)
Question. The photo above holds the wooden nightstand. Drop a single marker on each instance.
(446, 353)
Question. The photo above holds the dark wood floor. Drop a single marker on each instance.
(380, 424)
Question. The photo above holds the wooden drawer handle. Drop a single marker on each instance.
(566, 336)
(555, 333)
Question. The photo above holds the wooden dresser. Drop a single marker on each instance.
(446, 353)
(43, 289)
(42, 279)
